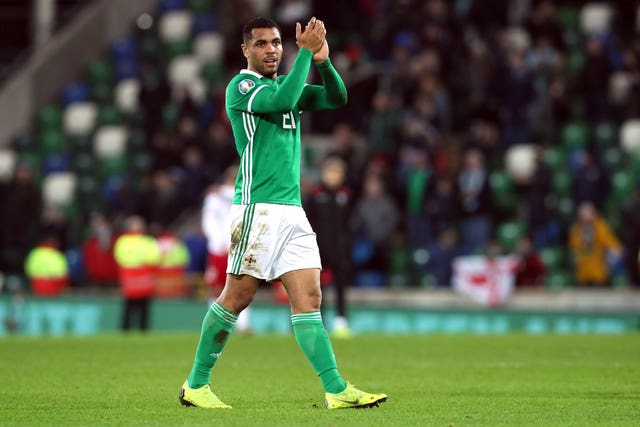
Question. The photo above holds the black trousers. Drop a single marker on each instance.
(136, 311)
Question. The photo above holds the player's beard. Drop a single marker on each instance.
(270, 70)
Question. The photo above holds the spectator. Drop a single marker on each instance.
(47, 268)
(631, 237)
(137, 255)
(530, 269)
(99, 260)
(590, 182)
(375, 219)
(594, 80)
(592, 243)
(474, 200)
(441, 206)
(19, 216)
(329, 209)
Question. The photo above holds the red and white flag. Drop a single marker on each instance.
(487, 281)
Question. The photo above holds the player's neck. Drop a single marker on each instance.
(271, 77)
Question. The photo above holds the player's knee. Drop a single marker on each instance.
(308, 301)
(236, 301)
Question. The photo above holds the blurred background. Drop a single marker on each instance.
(488, 160)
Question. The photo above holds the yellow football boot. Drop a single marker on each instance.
(201, 397)
(351, 397)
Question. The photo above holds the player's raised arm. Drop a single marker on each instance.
(332, 94)
(267, 99)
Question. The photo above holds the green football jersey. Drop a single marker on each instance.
(268, 144)
(265, 120)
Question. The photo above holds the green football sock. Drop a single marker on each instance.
(314, 341)
(216, 328)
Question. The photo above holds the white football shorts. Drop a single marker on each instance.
(269, 240)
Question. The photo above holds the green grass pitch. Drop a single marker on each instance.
(439, 380)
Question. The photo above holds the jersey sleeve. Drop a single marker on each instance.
(254, 96)
(332, 94)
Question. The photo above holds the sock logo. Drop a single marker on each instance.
(216, 355)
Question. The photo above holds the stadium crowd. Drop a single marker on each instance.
(473, 126)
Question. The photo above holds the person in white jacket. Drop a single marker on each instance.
(216, 225)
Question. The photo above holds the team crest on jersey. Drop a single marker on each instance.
(246, 85)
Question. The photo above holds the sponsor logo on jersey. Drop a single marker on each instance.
(246, 85)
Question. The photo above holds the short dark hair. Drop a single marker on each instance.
(259, 22)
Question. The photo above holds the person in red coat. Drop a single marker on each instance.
(530, 269)
(99, 260)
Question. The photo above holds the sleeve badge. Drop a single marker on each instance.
(246, 85)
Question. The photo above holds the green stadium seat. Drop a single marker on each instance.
(199, 6)
(150, 49)
(561, 183)
(137, 141)
(623, 184)
(212, 72)
(553, 258)
(49, 118)
(177, 48)
(111, 166)
(141, 163)
(575, 135)
(109, 115)
(558, 280)
(605, 134)
(100, 72)
(556, 158)
(575, 62)
(170, 117)
(502, 189)
(509, 233)
(565, 209)
(569, 17)
(52, 141)
(84, 163)
(102, 93)
(88, 193)
(613, 158)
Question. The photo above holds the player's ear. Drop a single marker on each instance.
(244, 50)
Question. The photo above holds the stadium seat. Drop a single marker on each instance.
(175, 25)
(630, 136)
(575, 135)
(606, 134)
(183, 70)
(127, 69)
(509, 233)
(49, 117)
(555, 157)
(8, 161)
(124, 49)
(203, 23)
(126, 95)
(561, 183)
(595, 18)
(170, 5)
(177, 48)
(558, 280)
(620, 84)
(623, 184)
(58, 188)
(575, 61)
(150, 49)
(170, 116)
(80, 118)
(199, 6)
(198, 90)
(75, 92)
(52, 141)
(209, 47)
(100, 71)
(520, 161)
(110, 141)
(84, 164)
(553, 258)
(569, 17)
(56, 162)
(141, 163)
(212, 72)
(102, 93)
(612, 158)
(137, 141)
(108, 115)
(502, 189)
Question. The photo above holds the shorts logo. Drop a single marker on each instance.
(250, 260)
(246, 85)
